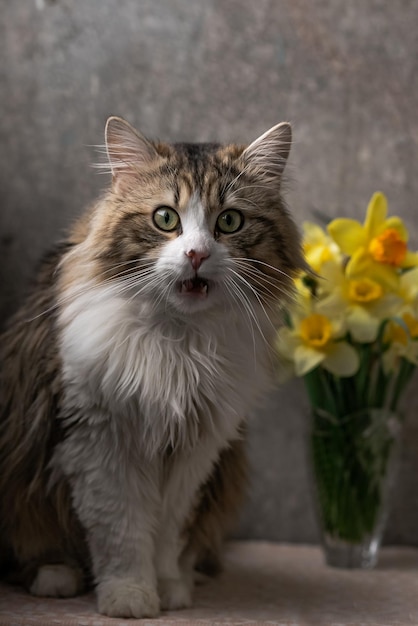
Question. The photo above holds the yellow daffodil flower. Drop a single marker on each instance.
(402, 337)
(408, 290)
(378, 247)
(403, 333)
(318, 247)
(363, 290)
(363, 301)
(316, 340)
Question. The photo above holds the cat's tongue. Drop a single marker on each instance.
(195, 286)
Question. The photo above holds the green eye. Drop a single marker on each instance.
(230, 221)
(166, 219)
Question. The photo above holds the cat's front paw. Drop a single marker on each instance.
(56, 580)
(175, 593)
(127, 597)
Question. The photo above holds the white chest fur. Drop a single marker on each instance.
(181, 379)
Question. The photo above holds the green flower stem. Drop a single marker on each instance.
(406, 370)
(380, 387)
(363, 373)
(350, 457)
(351, 445)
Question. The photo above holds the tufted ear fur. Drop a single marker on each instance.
(268, 154)
(127, 149)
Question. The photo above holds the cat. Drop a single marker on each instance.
(129, 373)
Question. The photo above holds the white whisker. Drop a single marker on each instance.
(110, 281)
(247, 284)
(276, 269)
(238, 299)
(262, 280)
(250, 308)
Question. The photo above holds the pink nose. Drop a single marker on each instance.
(197, 258)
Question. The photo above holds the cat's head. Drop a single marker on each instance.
(197, 226)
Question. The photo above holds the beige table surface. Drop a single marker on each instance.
(263, 583)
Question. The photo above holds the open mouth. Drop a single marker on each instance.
(195, 286)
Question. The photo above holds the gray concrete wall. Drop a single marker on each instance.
(346, 75)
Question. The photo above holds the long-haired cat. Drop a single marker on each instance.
(128, 374)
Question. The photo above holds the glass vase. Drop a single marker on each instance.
(354, 465)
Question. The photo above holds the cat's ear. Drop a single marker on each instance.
(127, 149)
(268, 154)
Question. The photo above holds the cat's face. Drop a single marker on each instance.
(193, 227)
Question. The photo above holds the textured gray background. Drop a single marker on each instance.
(346, 75)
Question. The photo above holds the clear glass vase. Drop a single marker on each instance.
(354, 465)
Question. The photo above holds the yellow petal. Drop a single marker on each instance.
(409, 284)
(315, 257)
(339, 327)
(332, 274)
(362, 326)
(376, 214)
(306, 359)
(333, 305)
(359, 264)
(388, 306)
(386, 275)
(313, 234)
(411, 259)
(341, 359)
(348, 234)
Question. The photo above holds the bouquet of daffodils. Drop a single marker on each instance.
(352, 334)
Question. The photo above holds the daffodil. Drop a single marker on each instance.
(353, 332)
(352, 335)
(401, 335)
(378, 247)
(363, 301)
(317, 340)
(408, 291)
(318, 247)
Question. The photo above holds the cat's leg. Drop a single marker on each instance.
(115, 495)
(185, 474)
(120, 518)
(217, 507)
(175, 583)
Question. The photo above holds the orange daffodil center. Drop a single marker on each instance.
(388, 248)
